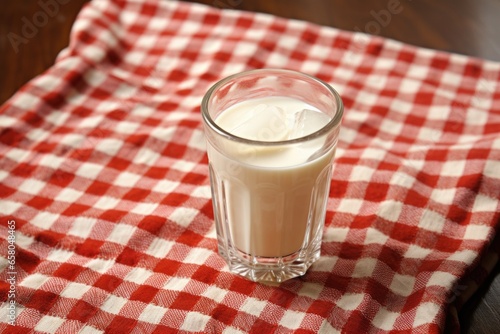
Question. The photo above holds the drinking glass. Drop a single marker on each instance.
(270, 187)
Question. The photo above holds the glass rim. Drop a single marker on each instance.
(334, 122)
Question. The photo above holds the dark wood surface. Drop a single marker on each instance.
(462, 26)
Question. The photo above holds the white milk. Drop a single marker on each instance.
(271, 194)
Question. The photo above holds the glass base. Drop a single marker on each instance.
(268, 269)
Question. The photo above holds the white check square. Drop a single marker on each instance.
(32, 186)
(82, 226)
(176, 283)
(364, 267)
(183, 216)
(68, 195)
(152, 314)
(121, 233)
(361, 173)
(195, 322)
(113, 304)
(127, 179)
(253, 306)
(106, 203)
(138, 275)
(49, 324)
(89, 170)
(385, 319)
(477, 232)
(402, 284)
(432, 221)
(350, 205)
(292, 319)
(44, 219)
(390, 210)
(75, 290)
(453, 168)
(350, 301)
(159, 247)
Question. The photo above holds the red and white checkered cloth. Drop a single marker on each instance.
(103, 170)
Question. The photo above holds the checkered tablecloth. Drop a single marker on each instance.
(104, 189)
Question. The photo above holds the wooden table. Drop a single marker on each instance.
(465, 27)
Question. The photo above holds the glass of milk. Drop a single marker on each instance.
(271, 137)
